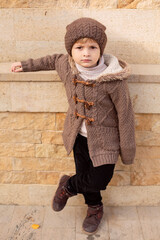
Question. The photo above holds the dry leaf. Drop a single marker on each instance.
(35, 226)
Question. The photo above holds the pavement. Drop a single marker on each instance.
(119, 223)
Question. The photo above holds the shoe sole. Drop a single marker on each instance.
(88, 233)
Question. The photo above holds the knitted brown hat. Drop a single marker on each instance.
(85, 28)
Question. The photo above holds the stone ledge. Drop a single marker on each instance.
(140, 73)
(32, 194)
(43, 91)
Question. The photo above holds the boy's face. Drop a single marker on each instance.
(86, 54)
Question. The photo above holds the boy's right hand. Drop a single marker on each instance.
(16, 67)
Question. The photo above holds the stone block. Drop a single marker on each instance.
(100, 4)
(139, 4)
(50, 150)
(28, 121)
(60, 118)
(120, 178)
(156, 123)
(147, 152)
(147, 138)
(5, 163)
(36, 48)
(145, 97)
(145, 179)
(33, 96)
(47, 24)
(14, 194)
(134, 52)
(48, 177)
(13, 3)
(8, 51)
(17, 150)
(142, 165)
(23, 136)
(72, 4)
(6, 177)
(42, 164)
(5, 102)
(122, 167)
(18, 177)
(7, 29)
(143, 122)
(52, 137)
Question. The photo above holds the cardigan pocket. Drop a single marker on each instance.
(109, 137)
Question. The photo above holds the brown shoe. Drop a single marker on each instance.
(62, 194)
(93, 219)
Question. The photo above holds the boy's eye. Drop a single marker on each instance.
(93, 47)
(79, 47)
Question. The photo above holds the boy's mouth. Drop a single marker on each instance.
(86, 60)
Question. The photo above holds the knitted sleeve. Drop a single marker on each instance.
(44, 63)
(122, 101)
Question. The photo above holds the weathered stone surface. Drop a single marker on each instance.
(51, 97)
(148, 152)
(16, 177)
(35, 48)
(42, 164)
(14, 193)
(6, 29)
(28, 121)
(156, 123)
(17, 150)
(146, 165)
(31, 97)
(134, 52)
(37, 194)
(16, 136)
(148, 4)
(58, 4)
(130, 4)
(50, 150)
(145, 179)
(122, 167)
(60, 118)
(52, 137)
(42, 35)
(5, 164)
(147, 138)
(144, 96)
(120, 178)
(144, 122)
(140, 4)
(48, 177)
(12, 4)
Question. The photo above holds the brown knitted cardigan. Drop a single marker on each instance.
(105, 104)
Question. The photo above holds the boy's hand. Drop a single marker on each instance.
(16, 67)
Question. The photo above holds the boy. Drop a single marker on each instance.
(100, 120)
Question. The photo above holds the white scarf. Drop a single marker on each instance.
(111, 66)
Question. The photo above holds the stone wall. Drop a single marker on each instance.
(32, 151)
(37, 30)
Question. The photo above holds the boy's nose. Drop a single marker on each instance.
(86, 52)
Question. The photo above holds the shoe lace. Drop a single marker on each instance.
(62, 193)
(94, 213)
